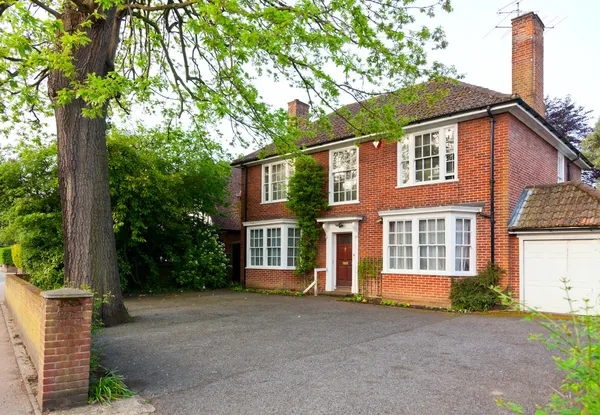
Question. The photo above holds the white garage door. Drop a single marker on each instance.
(547, 262)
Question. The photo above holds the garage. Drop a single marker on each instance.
(546, 262)
(558, 228)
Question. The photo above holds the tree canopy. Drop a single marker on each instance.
(164, 187)
(591, 148)
(570, 120)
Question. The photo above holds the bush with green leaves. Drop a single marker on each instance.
(164, 185)
(475, 293)
(6, 255)
(575, 342)
(16, 252)
(307, 200)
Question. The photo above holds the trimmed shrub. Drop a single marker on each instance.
(17, 255)
(476, 293)
(6, 255)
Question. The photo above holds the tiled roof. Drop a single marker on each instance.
(564, 205)
(229, 219)
(460, 97)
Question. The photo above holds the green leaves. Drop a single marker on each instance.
(306, 200)
(206, 59)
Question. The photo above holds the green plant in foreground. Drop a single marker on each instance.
(108, 388)
(577, 342)
(474, 293)
(356, 298)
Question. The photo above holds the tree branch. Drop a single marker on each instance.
(47, 8)
(169, 6)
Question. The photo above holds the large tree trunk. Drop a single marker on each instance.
(89, 240)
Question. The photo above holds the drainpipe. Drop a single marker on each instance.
(245, 171)
(492, 186)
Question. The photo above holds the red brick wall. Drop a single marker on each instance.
(531, 161)
(57, 335)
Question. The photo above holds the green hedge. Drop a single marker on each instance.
(6, 255)
(17, 256)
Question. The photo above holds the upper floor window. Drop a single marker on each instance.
(274, 181)
(561, 168)
(428, 157)
(343, 176)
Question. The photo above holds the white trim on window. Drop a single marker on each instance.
(268, 178)
(560, 168)
(407, 178)
(275, 237)
(332, 172)
(445, 217)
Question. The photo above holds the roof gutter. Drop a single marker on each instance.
(554, 230)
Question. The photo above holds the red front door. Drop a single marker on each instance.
(343, 273)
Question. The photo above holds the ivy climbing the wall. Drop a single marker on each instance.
(307, 200)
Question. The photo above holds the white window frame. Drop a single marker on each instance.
(285, 226)
(288, 171)
(348, 202)
(411, 154)
(560, 168)
(450, 214)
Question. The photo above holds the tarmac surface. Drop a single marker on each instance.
(224, 352)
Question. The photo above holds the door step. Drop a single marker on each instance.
(340, 292)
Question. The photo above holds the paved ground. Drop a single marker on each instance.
(239, 353)
(13, 397)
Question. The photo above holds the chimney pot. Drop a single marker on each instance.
(528, 60)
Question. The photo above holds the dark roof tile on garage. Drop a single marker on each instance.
(564, 205)
(457, 97)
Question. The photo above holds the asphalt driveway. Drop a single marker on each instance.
(238, 353)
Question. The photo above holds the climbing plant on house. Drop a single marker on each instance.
(306, 200)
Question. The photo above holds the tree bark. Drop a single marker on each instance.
(89, 240)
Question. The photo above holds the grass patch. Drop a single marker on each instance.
(109, 387)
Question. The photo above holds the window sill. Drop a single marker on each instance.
(404, 186)
(271, 268)
(429, 273)
(353, 202)
(273, 202)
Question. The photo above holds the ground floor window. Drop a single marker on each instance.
(434, 241)
(273, 246)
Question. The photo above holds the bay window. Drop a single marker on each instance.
(436, 241)
(274, 244)
(427, 157)
(343, 176)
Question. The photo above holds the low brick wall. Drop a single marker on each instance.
(55, 327)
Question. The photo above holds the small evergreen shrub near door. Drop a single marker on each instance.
(6, 255)
(475, 293)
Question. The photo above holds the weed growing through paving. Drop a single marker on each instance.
(577, 342)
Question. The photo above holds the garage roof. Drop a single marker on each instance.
(563, 205)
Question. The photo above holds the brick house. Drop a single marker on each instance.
(433, 206)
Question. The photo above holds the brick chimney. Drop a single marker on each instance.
(298, 110)
(528, 60)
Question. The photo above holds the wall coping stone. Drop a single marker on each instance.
(66, 293)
